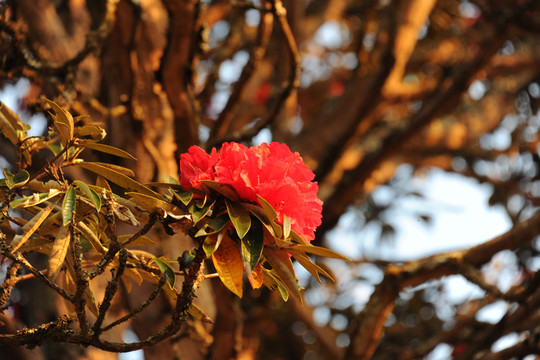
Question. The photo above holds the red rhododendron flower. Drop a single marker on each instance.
(196, 165)
(269, 170)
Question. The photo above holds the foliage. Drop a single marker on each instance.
(75, 225)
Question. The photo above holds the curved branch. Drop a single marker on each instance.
(368, 327)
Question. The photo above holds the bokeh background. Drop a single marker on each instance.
(419, 119)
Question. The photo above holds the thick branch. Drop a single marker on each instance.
(368, 327)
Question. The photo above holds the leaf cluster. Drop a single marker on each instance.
(74, 224)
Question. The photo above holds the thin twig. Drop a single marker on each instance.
(110, 291)
(139, 308)
(17, 257)
(256, 55)
(291, 84)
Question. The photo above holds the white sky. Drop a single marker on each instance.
(461, 218)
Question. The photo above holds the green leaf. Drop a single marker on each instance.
(91, 236)
(317, 250)
(69, 205)
(29, 228)
(151, 203)
(297, 238)
(212, 242)
(200, 212)
(118, 178)
(184, 196)
(214, 225)
(117, 168)
(91, 301)
(90, 194)
(186, 259)
(306, 262)
(167, 270)
(223, 189)
(35, 199)
(16, 180)
(58, 252)
(239, 217)
(281, 263)
(268, 208)
(91, 144)
(140, 240)
(271, 281)
(63, 122)
(173, 185)
(252, 245)
(169, 179)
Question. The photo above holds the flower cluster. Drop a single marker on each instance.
(271, 171)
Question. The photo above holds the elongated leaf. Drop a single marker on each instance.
(103, 184)
(35, 199)
(91, 236)
(140, 240)
(95, 132)
(58, 252)
(267, 215)
(222, 189)
(198, 314)
(297, 238)
(90, 144)
(51, 224)
(91, 301)
(37, 243)
(69, 205)
(63, 122)
(14, 119)
(90, 194)
(122, 170)
(252, 245)
(239, 217)
(286, 226)
(118, 178)
(317, 250)
(166, 270)
(6, 127)
(306, 262)
(272, 281)
(172, 185)
(228, 263)
(29, 228)
(268, 209)
(257, 211)
(151, 203)
(282, 265)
